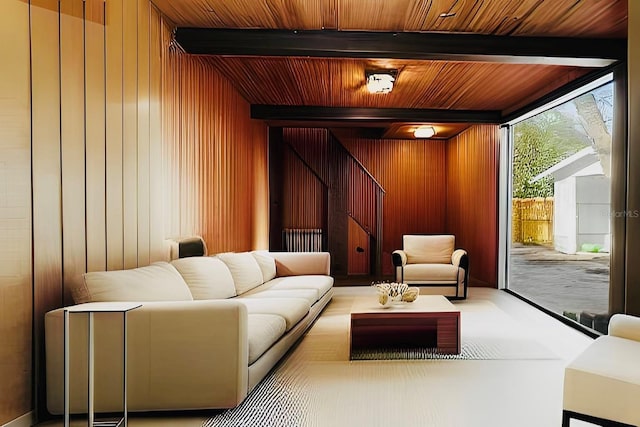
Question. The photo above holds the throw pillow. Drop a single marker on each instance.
(245, 270)
(207, 277)
(267, 264)
(156, 282)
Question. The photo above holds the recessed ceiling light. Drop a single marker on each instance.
(447, 14)
(424, 132)
(380, 81)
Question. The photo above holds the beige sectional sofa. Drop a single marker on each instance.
(209, 329)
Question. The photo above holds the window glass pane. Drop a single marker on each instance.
(561, 214)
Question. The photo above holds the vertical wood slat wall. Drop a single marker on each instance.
(305, 184)
(413, 175)
(15, 211)
(217, 182)
(93, 171)
(472, 204)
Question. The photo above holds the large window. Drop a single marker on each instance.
(560, 208)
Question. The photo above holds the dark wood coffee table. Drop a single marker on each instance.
(429, 322)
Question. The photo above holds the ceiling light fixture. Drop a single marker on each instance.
(424, 132)
(380, 81)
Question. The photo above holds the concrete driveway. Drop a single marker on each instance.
(560, 282)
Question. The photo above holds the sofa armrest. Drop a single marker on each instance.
(302, 263)
(625, 326)
(181, 355)
(459, 258)
(399, 258)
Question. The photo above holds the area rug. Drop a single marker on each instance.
(319, 370)
(488, 349)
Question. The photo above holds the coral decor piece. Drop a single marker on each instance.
(390, 292)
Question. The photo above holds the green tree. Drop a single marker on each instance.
(539, 143)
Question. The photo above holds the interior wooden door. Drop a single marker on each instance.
(359, 250)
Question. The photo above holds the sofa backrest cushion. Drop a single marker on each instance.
(435, 249)
(207, 277)
(156, 282)
(245, 270)
(267, 264)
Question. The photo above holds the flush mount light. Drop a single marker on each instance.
(380, 81)
(424, 132)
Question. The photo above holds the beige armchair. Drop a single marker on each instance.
(433, 261)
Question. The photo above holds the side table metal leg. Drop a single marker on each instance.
(124, 368)
(91, 369)
(65, 368)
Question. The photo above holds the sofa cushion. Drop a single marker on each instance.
(436, 273)
(157, 282)
(267, 264)
(292, 310)
(263, 331)
(428, 249)
(207, 277)
(321, 284)
(245, 270)
(311, 295)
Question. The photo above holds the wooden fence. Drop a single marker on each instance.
(532, 220)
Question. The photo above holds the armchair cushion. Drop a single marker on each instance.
(431, 273)
(625, 326)
(428, 249)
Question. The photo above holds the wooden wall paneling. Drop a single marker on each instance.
(303, 194)
(156, 191)
(114, 128)
(94, 30)
(472, 182)
(130, 133)
(209, 148)
(413, 175)
(15, 213)
(276, 188)
(260, 200)
(170, 133)
(143, 136)
(46, 173)
(72, 115)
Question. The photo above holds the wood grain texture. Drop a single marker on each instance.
(305, 196)
(359, 261)
(130, 131)
(500, 17)
(143, 154)
(213, 169)
(72, 119)
(156, 218)
(413, 175)
(420, 84)
(45, 154)
(114, 134)
(15, 214)
(96, 135)
(472, 185)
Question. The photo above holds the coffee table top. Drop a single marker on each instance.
(424, 303)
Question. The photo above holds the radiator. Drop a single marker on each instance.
(302, 239)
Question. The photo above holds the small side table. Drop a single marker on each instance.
(90, 309)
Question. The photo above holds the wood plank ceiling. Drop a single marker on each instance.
(439, 84)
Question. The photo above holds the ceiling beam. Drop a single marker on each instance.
(579, 52)
(292, 113)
